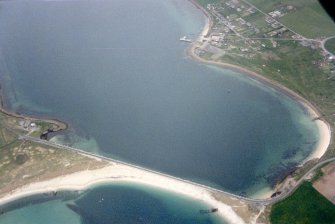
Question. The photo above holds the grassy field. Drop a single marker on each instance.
(297, 68)
(270, 5)
(305, 206)
(205, 2)
(24, 162)
(330, 45)
(6, 135)
(307, 18)
(311, 21)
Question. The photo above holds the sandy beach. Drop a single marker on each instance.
(208, 24)
(325, 136)
(119, 172)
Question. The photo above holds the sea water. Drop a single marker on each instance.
(118, 74)
(115, 203)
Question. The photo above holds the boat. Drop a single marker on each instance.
(207, 211)
(185, 39)
(214, 210)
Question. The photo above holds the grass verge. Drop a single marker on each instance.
(305, 206)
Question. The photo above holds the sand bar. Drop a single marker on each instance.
(119, 172)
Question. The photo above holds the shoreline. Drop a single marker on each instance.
(209, 22)
(118, 172)
(115, 172)
(324, 129)
(325, 136)
(60, 125)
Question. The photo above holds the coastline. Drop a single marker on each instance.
(324, 129)
(118, 172)
(60, 125)
(208, 24)
(325, 136)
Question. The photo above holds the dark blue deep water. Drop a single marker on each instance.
(118, 74)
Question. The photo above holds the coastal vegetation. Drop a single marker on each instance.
(23, 162)
(305, 206)
(205, 2)
(307, 17)
(318, 174)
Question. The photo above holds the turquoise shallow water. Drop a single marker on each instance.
(118, 74)
(53, 212)
(115, 203)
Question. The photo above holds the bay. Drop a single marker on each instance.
(118, 74)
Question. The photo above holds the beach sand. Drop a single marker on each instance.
(119, 172)
(324, 136)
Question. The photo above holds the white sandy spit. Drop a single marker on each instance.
(118, 172)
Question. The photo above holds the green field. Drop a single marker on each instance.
(308, 18)
(270, 5)
(330, 45)
(305, 206)
(311, 21)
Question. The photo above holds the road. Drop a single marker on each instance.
(323, 42)
(302, 179)
(302, 38)
(266, 15)
(56, 145)
(267, 201)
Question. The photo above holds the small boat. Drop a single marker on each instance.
(207, 211)
(215, 210)
(185, 39)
